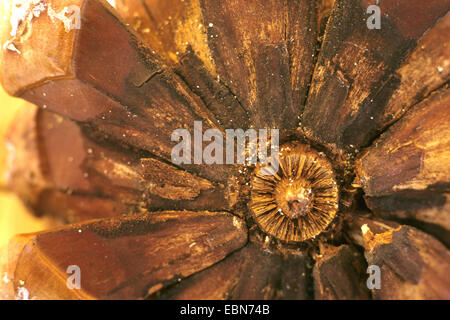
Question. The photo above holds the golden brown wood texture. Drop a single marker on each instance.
(340, 273)
(274, 276)
(237, 69)
(355, 72)
(405, 174)
(413, 264)
(126, 92)
(371, 105)
(62, 169)
(122, 258)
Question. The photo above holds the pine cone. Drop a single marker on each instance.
(363, 178)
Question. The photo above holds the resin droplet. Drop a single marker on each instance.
(300, 200)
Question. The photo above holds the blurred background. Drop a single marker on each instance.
(14, 216)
